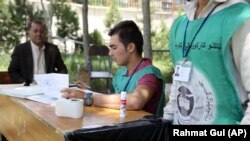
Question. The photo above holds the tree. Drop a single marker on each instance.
(67, 20)
(96, 37)
(18, 13)
(85, 31)
(4, 16)
(113, 16)
(13, 22)
(160, 37)
(48, 15)
(146, 28)
(3, 9)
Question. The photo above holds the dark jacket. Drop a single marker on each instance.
(21, 64)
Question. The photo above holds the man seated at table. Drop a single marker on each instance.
(35, 56)
(138, 77)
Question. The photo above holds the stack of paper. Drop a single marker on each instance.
(51, 84)
(46, 91)
(22, 92)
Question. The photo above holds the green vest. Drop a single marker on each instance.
(212, 94)
(120, 81)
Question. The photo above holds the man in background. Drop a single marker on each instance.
(35, 56)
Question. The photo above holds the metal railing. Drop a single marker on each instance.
(159, 5)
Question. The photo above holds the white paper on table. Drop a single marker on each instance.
(22, 92)
(52, 83)
(43, 99)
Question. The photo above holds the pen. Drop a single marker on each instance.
(75, 84)
(88, 87)
(72, 85)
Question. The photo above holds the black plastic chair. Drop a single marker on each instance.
(100, 65)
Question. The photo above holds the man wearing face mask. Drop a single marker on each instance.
(35, 56)
(213, 62)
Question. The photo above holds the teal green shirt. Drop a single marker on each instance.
(211, 95)
(121, 80)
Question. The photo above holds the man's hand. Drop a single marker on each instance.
(82, 85)
(72, 93)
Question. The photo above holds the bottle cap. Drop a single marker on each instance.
(123, 95)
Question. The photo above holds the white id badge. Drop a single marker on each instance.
(182, 71)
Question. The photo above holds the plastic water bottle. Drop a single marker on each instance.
(123, 104)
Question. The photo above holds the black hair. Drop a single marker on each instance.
(36, 22)
(128, 32)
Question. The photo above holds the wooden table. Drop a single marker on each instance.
(26, 120)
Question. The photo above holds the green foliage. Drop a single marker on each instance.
(95, 2)
(67, 20)
(3, 9)
(72, 62)
(75, 61)
(113, 16)
(164, 64)
(15, 15)
(13, 22)
(162, 61)
(5, 60)
(160, 38)
(96, 37)
(180, 11)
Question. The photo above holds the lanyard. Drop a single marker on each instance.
(185, 50)
(132, 75)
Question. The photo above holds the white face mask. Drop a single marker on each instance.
(220, 0)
